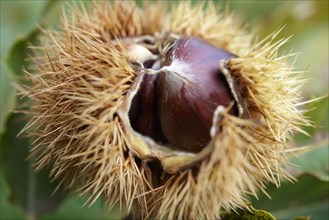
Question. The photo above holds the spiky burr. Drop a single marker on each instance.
(86, 76)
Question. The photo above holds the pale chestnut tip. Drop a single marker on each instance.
(176, 106)
(139, 53)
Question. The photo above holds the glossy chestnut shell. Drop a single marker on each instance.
(175, 106)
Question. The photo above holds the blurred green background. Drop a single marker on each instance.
(27, 195)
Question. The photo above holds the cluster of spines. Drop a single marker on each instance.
(81, 78)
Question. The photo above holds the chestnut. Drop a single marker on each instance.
(175, 106)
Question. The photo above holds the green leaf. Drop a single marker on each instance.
(314, 161)
(29, 190)
(307, 197)
(71, 209)
(7, 210)
(319, 116)
(17, 58)
(17, 19)
(7, 97)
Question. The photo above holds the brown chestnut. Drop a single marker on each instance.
(176, 105)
